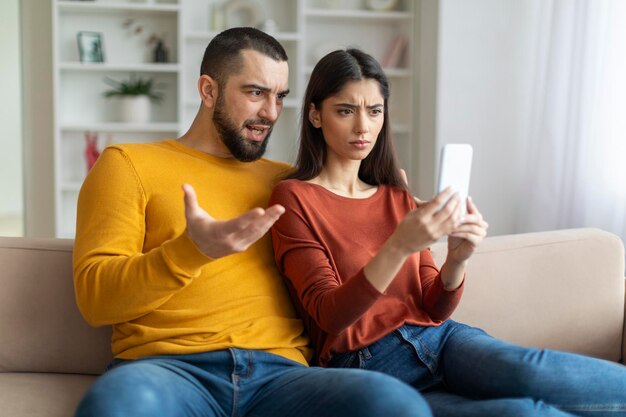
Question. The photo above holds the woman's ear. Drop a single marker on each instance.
(207, 87)
(314, 116)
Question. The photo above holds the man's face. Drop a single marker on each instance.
(249, 104)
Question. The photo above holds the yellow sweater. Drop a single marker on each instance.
(136, 269)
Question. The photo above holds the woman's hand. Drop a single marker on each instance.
(465, 238)
(462, 242)
(418, 230)
(427, 223)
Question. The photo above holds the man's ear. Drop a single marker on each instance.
(314, 116)
(207, 87)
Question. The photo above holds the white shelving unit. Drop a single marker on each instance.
(306, 28)
(79, 104)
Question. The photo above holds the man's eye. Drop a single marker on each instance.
(256, 93)
(345, 112)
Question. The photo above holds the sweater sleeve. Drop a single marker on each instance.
(114, 280)
(439, 303)
(333, 303)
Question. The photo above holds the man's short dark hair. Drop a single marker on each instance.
(222, 56)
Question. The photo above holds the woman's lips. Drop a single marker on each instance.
(360, 144)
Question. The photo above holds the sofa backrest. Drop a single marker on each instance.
(41, 329)
(560, 289)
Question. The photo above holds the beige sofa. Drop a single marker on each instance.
(561, 289)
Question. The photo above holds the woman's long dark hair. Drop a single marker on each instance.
(329, 76)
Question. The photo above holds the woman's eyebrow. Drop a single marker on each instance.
(354, 106)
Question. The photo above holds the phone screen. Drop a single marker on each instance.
(455, 167)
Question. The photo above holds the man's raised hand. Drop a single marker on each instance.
(216, 238)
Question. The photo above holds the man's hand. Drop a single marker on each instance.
(221, 238)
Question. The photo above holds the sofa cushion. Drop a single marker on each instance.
(560, 289)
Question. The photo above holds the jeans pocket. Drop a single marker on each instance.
(345, 360)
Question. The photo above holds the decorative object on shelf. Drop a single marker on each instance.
(382, 5)
(157, 42)
(91, 149)
(91, 146)
(159, 52)
(243, 13)
(135, 96)
(90, 46)
(395, 52)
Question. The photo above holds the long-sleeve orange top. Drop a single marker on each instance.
(136, 269)
(321, 245)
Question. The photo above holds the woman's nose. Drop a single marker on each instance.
(361, 125)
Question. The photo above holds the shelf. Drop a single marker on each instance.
(147, 67)
(207, 35)
(357, 14)
(121, 127)
(70, 186)
(398, 72)
(390, 72)
(119, 7)
(288, 103)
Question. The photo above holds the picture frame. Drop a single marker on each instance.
(90, 46)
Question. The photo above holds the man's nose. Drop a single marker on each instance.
(270, 110)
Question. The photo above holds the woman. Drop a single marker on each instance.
(353, 245)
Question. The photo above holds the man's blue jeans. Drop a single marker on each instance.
(248, 383)
(462, 371)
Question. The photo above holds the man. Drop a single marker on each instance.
(202, 322)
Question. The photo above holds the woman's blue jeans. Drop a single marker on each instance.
(462, 371)
(248, 383)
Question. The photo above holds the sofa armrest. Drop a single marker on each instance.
(40, 325)
(560, 289)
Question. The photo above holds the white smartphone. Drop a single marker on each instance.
(455, 166)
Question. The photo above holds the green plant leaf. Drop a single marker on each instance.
(134, 86)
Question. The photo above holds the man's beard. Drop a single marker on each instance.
(239, 146)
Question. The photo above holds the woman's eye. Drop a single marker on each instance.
(345, 112)
(376, 112)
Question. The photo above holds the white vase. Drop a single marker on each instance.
(135, 109)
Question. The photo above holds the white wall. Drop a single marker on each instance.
(484, 68)
(11, 196)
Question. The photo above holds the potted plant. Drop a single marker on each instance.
(136, 95)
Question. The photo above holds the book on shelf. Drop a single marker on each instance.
(394, 58)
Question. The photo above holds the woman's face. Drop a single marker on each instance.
(351, 120)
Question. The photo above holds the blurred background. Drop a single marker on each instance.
(538, 87)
